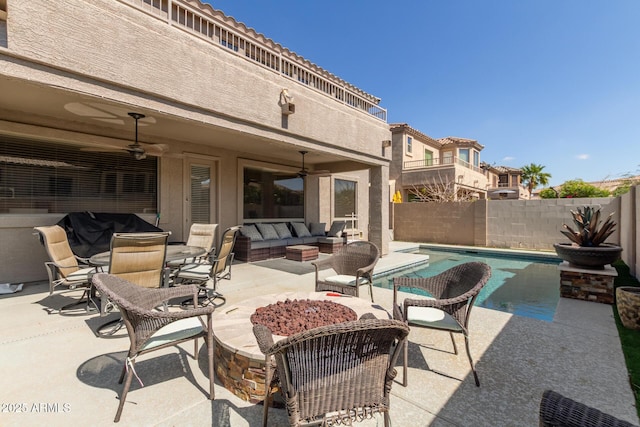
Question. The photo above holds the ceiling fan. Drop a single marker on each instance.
(302, 173)
(136, 150)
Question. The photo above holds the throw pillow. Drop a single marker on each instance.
(317, 228)
(337, 228)
(251, 232)
(267, 231)
(282, 230)
(300, 229)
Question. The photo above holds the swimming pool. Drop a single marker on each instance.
(520, 284)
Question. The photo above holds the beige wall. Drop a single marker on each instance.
(451, 223)
(519, 224)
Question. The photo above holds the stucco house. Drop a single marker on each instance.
(505, 183)
(227, 112)
(421, 162)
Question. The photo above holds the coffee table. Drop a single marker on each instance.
(302, 252)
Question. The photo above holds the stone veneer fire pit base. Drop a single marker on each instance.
(240, 366)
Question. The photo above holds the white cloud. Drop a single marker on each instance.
(508, 159)
(582, 156)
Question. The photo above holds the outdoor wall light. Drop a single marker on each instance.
(286, 103)
(386, 143)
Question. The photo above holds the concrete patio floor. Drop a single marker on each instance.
(58, 372)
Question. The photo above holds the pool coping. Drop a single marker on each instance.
(544, 255)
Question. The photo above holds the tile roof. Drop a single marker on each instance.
(405, 128)
(454, 140)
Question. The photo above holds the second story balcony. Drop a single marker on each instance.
(446, 162)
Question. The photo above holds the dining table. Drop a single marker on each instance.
(174, 253)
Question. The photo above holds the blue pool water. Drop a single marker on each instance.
(519, 285)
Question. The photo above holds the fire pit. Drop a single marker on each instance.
(240, 363)
(290, 317)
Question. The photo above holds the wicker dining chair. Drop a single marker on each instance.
(557, 410)
(354, 264)
(454, 291)
(220, 268)
(146, 326)
(63, 268)
(335, 373)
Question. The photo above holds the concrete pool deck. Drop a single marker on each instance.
(62, 374)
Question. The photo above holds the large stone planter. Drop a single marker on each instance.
(588, 257)
(628, 303)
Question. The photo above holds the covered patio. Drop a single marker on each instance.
(59, 373)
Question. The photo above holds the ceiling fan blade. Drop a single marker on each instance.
(102, 149)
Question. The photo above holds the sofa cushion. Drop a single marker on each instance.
(337, 228)
(317, 228)
(251, 232)
(267, 231)
(282, 230)
(262, 244)
(300, 229)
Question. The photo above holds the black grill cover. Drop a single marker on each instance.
(90, 233)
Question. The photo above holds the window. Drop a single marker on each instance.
(447, 157)
(42, 176)
(409, 145)
(428, 158)
(476, 159)
(270, 194)
(463, 155)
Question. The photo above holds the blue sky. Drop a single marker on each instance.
(553, 82)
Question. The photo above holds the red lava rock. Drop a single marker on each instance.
(290, 317)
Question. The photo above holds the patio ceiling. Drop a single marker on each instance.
(29, 103)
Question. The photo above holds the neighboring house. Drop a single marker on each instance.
(505, 183)
(419, 161)
(227, 112)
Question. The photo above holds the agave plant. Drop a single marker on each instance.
(589, 232)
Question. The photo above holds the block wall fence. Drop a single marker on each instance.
(516, 224)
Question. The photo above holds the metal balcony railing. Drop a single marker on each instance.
(437, 162)
(260, 51)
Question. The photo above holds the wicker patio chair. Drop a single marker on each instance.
(341, 372)
(354, 264)
(559, 411)
(202, 236)
(63, 268)
(220, 267)
(454, 292)
(146, 326)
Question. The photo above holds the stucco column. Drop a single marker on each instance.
(379, 207)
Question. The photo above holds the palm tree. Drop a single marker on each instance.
(533, 176)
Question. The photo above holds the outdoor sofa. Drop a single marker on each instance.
(261, 241)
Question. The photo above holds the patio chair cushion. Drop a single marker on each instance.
(251, 232)
(431, 317)
(317, 228)
(175, 331)
(345, 279)
(300, 229)
(337, 228)
(80, 275)
(267, 231)
(195, 271)
(282, 230)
